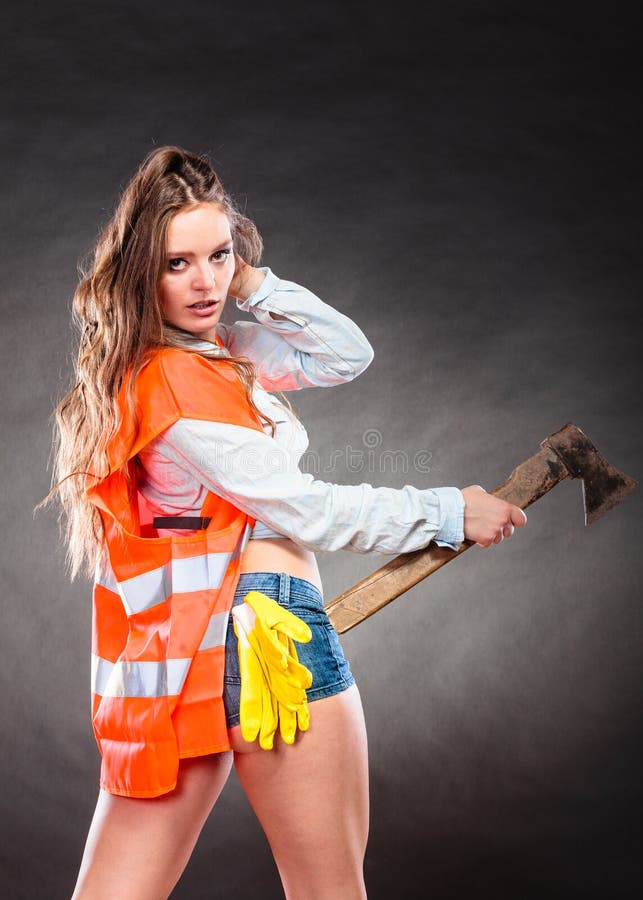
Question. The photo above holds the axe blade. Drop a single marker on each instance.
(604, 486)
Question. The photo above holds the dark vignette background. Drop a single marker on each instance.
(463, 179)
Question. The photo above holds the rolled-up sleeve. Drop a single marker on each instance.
(254, 473)
(314, 345)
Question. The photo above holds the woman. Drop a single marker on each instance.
(178, 473)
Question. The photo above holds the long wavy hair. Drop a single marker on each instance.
(117, 310)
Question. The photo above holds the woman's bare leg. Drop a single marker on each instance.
(137, 849)
(311, 799)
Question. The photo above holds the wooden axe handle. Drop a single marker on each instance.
(526, 484)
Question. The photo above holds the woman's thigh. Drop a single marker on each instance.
(311, 799)
(137, 849)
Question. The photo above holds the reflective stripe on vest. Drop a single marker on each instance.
(196, 573)
(215, 633)
(148, 678)
(138, 679)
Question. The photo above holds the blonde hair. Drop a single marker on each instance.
(117, 311)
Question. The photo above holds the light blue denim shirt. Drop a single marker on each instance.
(315, 346)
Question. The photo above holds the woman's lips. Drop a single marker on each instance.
(204, 307)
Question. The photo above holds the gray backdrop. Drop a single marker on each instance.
(465, 183)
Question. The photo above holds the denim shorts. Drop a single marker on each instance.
(323, 654)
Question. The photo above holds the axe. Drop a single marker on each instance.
(567, 452)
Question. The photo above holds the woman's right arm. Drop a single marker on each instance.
(254, 473)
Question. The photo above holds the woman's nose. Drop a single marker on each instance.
(204, 280)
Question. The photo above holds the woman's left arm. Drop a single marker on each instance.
(298, 340)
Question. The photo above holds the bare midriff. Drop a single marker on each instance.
(281, 555)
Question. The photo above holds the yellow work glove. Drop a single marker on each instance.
(289, 718)
(273, 681)
(257, 706)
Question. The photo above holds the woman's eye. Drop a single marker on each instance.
(179, 264)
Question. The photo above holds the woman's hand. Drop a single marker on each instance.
(487, 519)
(246, 279)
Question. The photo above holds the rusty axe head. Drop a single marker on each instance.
(603, 485)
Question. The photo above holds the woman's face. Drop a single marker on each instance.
(199, 266)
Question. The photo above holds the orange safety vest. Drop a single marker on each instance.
(161, 604)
